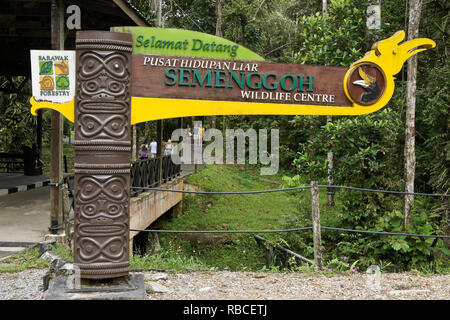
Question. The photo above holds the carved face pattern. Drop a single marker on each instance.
(104, 75)
(111, 249)
(102, 197)
(98, 127)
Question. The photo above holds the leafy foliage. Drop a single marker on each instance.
(17, 125)
(339, 40)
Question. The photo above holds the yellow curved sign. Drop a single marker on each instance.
(365, 87)
(67, 109)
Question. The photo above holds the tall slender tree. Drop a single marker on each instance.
(415, 8)
(330, 155)
(219, 4)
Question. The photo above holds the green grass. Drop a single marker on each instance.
(259, 211)
(232, 212)
(166, 260)
(63, 252)
(26, 259)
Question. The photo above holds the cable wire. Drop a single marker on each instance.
(386, 233)
(294, 188)
(222, 231)
(224, 192)
(387, 191)
(295, 229)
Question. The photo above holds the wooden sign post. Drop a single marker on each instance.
(102, 154)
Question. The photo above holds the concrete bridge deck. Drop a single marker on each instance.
(148, 206)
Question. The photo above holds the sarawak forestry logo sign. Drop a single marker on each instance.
(53, 75)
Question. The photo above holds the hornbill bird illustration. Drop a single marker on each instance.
(370, 84)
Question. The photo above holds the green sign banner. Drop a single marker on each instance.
(185, 43)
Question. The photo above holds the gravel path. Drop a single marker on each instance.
(285, 286)
(226, 285)
(25, 285)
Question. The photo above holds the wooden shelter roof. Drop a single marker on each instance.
(26, 25)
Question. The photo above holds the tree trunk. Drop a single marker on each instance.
(330, 171)
(159, 21)
(243, 24)
(330, 155)
(57, 125)
(415, 7)
(219, 18)
(218, 34)
(134, 143)
(317, 238)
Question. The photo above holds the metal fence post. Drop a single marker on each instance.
(316, 224)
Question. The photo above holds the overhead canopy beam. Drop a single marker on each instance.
(25, 26)
(131, 12)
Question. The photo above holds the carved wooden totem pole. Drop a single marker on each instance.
(102, 154)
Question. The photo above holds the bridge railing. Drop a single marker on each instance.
(146, 173)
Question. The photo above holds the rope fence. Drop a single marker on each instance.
(292, 189)
(222, 231)
(387, 191)
(224, 192)
(70, 222)
(316, 227)
(294, 230)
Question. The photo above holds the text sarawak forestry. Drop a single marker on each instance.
(213, 79)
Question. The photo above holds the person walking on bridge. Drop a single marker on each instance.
(168, 148)
(153, 148)
(143, 153)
